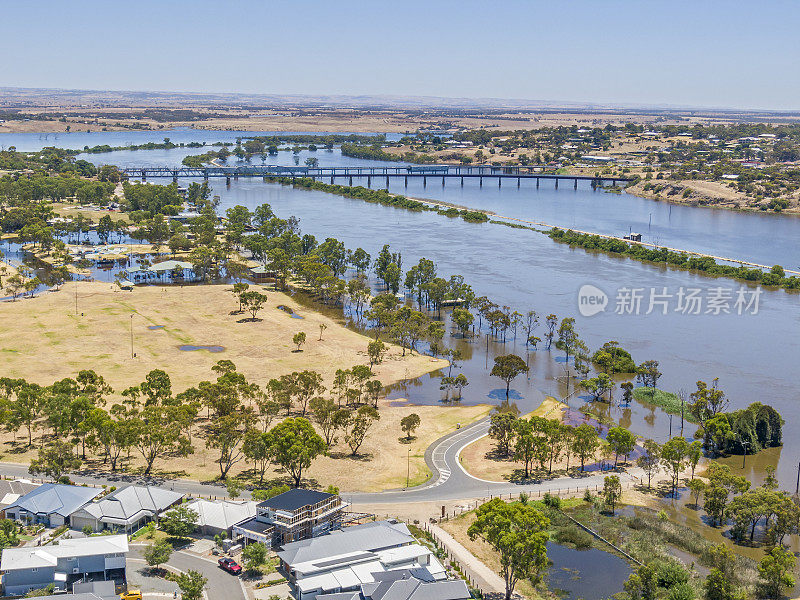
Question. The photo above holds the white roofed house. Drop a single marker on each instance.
(51, 504)
(29, 568)
(126, 509)
(221, 515)
(345, 560)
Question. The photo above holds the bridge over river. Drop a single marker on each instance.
(333, 174)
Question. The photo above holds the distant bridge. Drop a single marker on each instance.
(349, 173)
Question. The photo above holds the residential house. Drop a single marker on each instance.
(72, 560)
(126, 509)
(12, 490)
(293, 515)
(51, 504)
(344, 560)
(407, 584)
(220, 516)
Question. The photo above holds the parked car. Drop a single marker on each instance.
(230, 565)
(131, 595)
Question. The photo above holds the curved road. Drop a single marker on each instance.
(450, 481)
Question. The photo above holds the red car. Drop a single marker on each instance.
(230, 565)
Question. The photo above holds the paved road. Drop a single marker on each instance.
(451, 482)
(220, 584)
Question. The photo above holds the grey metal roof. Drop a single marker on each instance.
(414, 585)
(368, 537)
(405, 584)
(55, 498)
(294, 499)
(129, 504)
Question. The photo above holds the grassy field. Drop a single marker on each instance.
(44, 340)
(667, 401)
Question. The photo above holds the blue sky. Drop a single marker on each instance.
(696, 53)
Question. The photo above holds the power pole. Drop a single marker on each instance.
(132, 355)
(408, 466)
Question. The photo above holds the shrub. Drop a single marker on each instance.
(671, 574)
(552, 501)
(575, 536)
(682, 591)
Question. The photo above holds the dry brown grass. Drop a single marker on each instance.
(43, 340)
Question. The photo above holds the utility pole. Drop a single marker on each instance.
(132, 355)
(408, 466)
(797, 488)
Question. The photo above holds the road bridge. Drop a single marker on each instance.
(348, 174)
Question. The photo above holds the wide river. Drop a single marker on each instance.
(753, 355)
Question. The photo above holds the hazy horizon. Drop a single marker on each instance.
(712, 55)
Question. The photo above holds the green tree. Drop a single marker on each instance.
(518, 533)
(191, 583)
(507, 368)
(775, 570)
(55, 460)
(254, 555)
(294, 445)
(409, 423)
(612, 491)
(598, 386)
(358, 425)
(621, 441)
(298, 339)
(648, 373)
(462, 319)
(252, 301)
(179, 522)
(327, 414)
(673, 455)
(157, 554)
(375, 350)
(696, 487)
(502, 428)
(529, 445)
(585, 442)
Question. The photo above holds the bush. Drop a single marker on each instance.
(575, 536)
(682, 591)
(587, 495)
(552, 501)
(671, 574)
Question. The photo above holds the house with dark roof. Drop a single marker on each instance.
(125, 509)
(343, 561)
(51, 504)
(293, 515)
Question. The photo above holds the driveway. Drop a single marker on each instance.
(221, 585)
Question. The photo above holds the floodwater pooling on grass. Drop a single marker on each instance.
(191, 348)
(289, 311)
